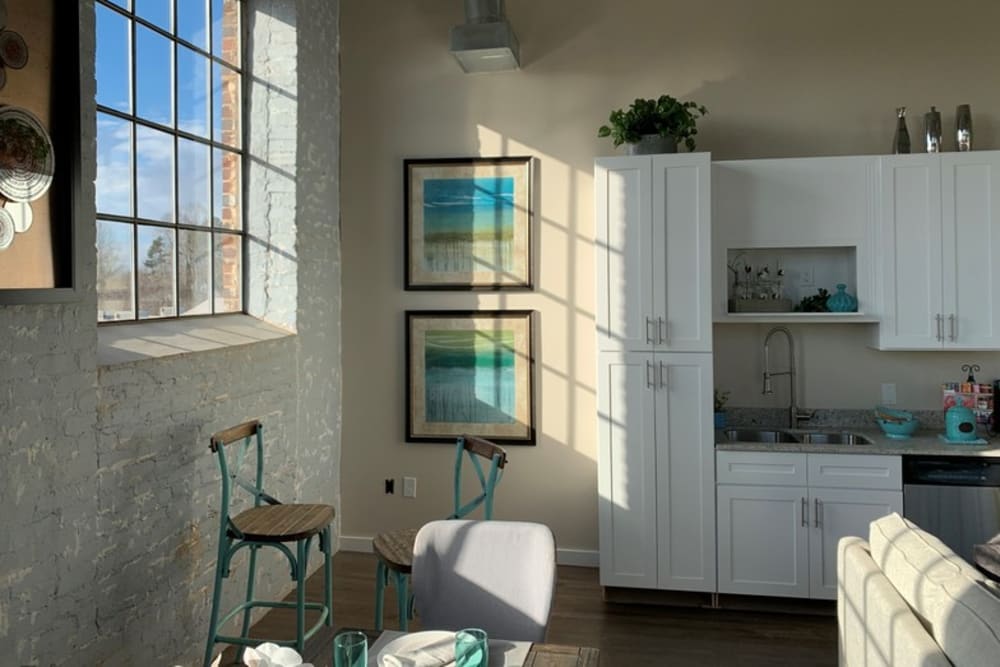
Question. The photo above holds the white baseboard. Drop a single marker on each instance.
(577, 557)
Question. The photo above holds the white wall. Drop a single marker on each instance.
(780, 78)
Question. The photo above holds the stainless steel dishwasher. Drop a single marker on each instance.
(956, 498)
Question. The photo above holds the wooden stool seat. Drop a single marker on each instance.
(282, 523)
(395, 548)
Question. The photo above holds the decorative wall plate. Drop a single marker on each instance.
(13, 50)
(27, 159)
(6, 229)
(21, 213)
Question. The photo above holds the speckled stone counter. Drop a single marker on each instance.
(923, 442)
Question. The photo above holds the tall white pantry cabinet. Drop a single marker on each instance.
(656, 470)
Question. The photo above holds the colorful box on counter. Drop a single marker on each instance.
(977, 396)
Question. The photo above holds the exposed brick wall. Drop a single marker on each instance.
(109, 526)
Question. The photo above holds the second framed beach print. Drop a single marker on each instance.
(469, 372)
(468, 223)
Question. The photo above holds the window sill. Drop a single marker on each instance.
(124, 343)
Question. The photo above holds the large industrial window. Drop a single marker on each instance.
(170, 233)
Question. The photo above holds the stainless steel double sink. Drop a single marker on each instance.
(805, 437)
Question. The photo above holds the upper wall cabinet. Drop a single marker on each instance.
(811, 217)
(653, 241)
(939, 245)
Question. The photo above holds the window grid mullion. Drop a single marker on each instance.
(134, 18)
(175, 114)
(176, 227)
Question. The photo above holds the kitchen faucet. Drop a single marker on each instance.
(795, 415)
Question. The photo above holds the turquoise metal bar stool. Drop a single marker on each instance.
(394, 549)
(267, 524)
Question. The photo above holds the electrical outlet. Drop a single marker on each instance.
(390, 486)
(409, 487)
(888, 393)
(807, 277)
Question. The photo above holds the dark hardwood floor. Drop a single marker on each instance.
(626, 634)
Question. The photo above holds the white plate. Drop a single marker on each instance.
(431, 648)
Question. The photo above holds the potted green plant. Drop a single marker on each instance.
(654, 126)
(721, 397)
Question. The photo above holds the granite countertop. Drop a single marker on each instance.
(923, 442)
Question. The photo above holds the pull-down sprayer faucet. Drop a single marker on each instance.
(794, 413)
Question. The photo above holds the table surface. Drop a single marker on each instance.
(539, 655)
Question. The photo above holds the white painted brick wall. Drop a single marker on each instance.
(110, 496)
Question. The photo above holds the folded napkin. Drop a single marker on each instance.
(434, 654)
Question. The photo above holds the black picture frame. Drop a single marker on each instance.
(469, 223)
(470, 372)
(64, 129)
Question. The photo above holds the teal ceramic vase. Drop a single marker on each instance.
(842, 302)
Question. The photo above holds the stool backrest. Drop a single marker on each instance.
(477, 449)
(240, 438)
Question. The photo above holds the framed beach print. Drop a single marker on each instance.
(468, 223)
(470, 372)
(39, 151)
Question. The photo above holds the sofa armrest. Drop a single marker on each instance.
(875, 626)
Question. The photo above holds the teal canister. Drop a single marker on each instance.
(959, 424)
(841, 301)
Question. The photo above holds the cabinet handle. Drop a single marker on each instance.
(939, 318)
(817, 512)
(661, 329)
(952, 324)
(805, 513)
(663, 375)
(649, 328)
(649, 375)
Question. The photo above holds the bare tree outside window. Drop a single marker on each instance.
(170, 233)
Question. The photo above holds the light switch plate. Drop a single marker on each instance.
(409, 487)
(888, 393)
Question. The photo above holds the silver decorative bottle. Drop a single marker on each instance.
(963, 128)
(901, 141)
(932, 130)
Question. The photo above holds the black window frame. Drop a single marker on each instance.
(213, 143)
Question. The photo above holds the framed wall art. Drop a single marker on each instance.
(470, 372)
(39, 150)
(468, 223)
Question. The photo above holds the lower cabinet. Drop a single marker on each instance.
(780, 517)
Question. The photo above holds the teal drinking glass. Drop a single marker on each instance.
(471, 648)
(350, 649)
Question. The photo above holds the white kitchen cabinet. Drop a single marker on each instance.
(780, 516)
(939, 244)
(653, 237)
(656, 477)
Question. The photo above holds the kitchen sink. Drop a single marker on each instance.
(834, 438)
(758, 435)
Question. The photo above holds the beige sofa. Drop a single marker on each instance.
(905, 599)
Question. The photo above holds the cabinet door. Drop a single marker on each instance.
(971, 249)
(624, 251)
(682, 257)
(910, 241)
(685, 472)
(627, 469)
(763, 540)
(838, 513)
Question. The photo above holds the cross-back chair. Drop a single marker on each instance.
(268, 523)
(394, 549)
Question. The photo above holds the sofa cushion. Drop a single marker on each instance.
(946, 593)
(875, 626)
